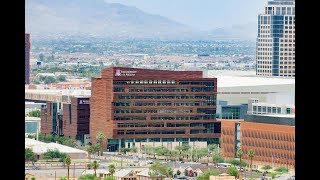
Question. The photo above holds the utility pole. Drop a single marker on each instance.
(55, 175)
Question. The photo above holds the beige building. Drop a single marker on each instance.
(275, 50)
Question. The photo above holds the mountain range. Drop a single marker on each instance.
(47, 18)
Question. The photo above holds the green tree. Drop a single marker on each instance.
(88, 177)
(34, 113)
(49, 79)
(266, 167)
(100, 138)
(51, 154)
(124, 150)
(62, 156)
(95, 166)
(234, 162)
(232, 171)
(170, 172)
(206, 175)
(251, 156)
(89, 165)
(186, 172)
(273, 175)
(63, 178)
(240, 154)
(178, 172)
(112, 169)
(90, 150)
(33, 178)
(30, 155)
(159, 170)
(67, 161)
(217, 158)
(133, 149)
(61, 78)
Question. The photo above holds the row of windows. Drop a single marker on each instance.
(280, 10)
(287, 40)
(206, 83)
(264, 40)
(272, 145)
(131, 118)
(285, 45)
(132, 132)
(264, 66)
(269, 136)
(157, 90)
(287, 49)
(265, 109)
(289, 71)
(287, 58)
(289, 32)
(208, 97)
(200, 117)
(164, 104)
(117, 111)
(264, 49)
(285, 67)
(205, 131)
(144, 82)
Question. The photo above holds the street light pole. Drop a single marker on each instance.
(74, 170)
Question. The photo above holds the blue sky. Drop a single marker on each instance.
(203, 14)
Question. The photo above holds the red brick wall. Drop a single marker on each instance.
(46, 119)
(70, 130)
(101, 111)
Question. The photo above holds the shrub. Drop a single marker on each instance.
(232, 171)
(281, 170)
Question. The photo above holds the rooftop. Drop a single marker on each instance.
(41, 147)
(233, 81)
(122, 173)
(27, 118)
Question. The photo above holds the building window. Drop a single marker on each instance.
(269, 109)
(278, 110)
(274, 110)
(288, 110)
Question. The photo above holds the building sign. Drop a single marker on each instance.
(83, 101)
(124, 73)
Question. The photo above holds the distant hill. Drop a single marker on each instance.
(52, 18)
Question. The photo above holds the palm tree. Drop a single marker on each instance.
(95, 166)
(112, 169)
(251, 155)
(239, 154)
(100, 137)
(90, 150)
(67, 161)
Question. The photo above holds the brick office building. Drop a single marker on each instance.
(143, 105)
(67, 119)
(273, 144)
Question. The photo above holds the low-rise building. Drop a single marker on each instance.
(125, 174)
(39, 148)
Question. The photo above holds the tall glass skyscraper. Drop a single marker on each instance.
(275, 53)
